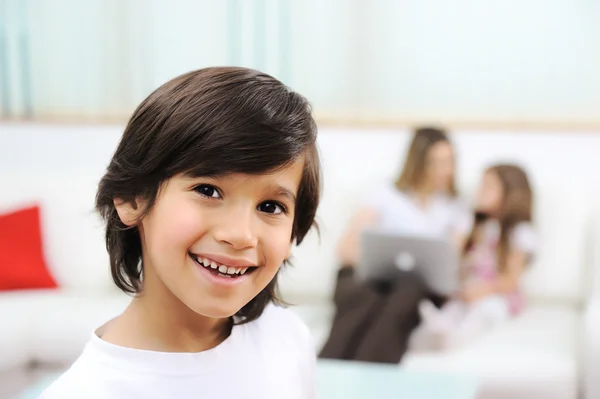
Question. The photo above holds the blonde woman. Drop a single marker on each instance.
(374, 320)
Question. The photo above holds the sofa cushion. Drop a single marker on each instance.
(51, 326)
(534, 355)
(16, 334)
(82, 313)
(72, 234)
(562, 222)
(22, 263)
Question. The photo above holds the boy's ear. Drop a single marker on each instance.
(128, 211)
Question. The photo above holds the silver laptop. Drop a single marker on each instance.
(384, 253)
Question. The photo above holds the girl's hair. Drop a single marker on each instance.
(208, 122)
(415, 165)
(517, 199)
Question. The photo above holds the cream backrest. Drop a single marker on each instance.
(59, 166)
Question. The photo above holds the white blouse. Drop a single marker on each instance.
(442, 217)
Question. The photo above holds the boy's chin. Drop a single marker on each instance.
(215, 312)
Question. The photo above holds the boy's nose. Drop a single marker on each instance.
(236, 229)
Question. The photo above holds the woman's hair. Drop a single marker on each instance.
(517, 201)
(415, 165)
(208, 122)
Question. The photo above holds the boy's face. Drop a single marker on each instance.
(215, 243)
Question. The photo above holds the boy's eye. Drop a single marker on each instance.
(271, 207)
(208, 191)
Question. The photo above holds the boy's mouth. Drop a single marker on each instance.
(221, 270)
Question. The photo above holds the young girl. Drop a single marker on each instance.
(216, 176)
(500, 246)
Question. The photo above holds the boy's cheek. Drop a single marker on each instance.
(181, 222)
(281, 249)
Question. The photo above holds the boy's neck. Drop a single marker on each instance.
(151, 323)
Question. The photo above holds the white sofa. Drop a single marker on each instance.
(538, 355)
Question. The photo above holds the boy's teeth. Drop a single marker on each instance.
(227, 270)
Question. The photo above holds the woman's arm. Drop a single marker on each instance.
(348, 249)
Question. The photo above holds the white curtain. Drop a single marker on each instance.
(496, 60)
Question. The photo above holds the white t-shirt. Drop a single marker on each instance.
(269, 358)
(399, 213)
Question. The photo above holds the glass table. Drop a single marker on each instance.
(350, 380)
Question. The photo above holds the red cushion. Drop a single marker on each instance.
(22, 264)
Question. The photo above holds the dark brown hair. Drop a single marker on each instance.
(414, 167)
(208, 122)
(517, 202)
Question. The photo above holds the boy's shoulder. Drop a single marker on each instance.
(287, 348)
(77, 382)
(281, 315)
(276, 320)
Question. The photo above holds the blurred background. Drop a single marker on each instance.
(510, 80)
(395, 62)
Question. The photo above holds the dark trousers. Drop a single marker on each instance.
(374, 321)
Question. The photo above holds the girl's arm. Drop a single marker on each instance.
(523, 245)
(516, 261)
(348, 249)
(513, 271)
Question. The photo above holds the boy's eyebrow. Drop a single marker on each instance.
(277, 188)
(284, 192)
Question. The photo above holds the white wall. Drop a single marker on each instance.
(534, 59)
(563, 167)
(464, 59)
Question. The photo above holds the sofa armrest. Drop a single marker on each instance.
(591, 348)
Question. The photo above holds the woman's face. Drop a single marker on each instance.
(439, 167)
